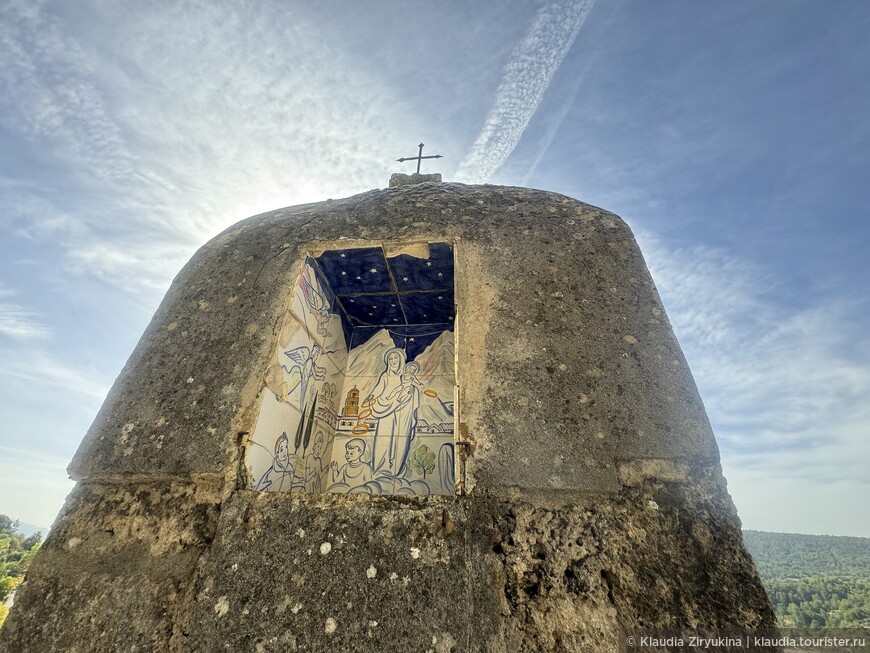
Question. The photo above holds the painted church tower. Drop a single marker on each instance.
(351, 404)
(433, 417)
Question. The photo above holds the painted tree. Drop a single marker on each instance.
(423, 460)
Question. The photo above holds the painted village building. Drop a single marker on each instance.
(433, 417)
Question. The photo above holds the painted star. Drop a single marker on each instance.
(343, 273)
(440, 297)
(374, 270)
(359, 278)
(351, 301)
(411, 339)
(440, 274)
(428, 264)
(343, 255)
(404, 278)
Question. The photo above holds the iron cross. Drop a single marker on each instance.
(418, 158)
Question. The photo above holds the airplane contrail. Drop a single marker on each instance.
(526, 77)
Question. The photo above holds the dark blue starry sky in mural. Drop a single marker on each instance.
(410, 296)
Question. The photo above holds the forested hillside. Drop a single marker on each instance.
(790, 555)
(16, 552)
(814, 580)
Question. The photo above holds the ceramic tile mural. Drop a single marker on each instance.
(359, 396)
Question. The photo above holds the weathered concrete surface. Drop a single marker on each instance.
(321, 573)
(567, 362)
(595, 502)
(114, 570)
(349, 573)
(343, 573)
(660, 554)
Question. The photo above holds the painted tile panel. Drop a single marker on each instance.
(362, 334)
(356, 270)
(328, 388)
(435, 414)
(432, 273)
(438, 357)
(271, 459)
(369, 310)
(432, 462)
(363, 409)
(433, 307)
(414, 339)
(299, 407)
(302, 362)
(316, 461)
(313, 301)
(339, 330)
(351, 470)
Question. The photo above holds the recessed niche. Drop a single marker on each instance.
(360, 394)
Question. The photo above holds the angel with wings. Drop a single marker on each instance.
(303, 370)
(317, 303)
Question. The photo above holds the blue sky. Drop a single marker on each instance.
(733, 137)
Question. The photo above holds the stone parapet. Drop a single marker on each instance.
(399, 179)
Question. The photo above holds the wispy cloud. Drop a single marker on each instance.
(526, 78)
(36, 371)
(48, 94)
(167, 146)
(785, 385)
(19, 322)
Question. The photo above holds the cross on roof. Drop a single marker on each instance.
(418, 158)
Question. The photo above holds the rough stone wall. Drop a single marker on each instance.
(594, 502)
(503, 576)
(115, 570)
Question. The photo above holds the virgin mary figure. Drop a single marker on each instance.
(394, 403)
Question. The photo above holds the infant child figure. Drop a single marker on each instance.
(355, 471)
(410, 382)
